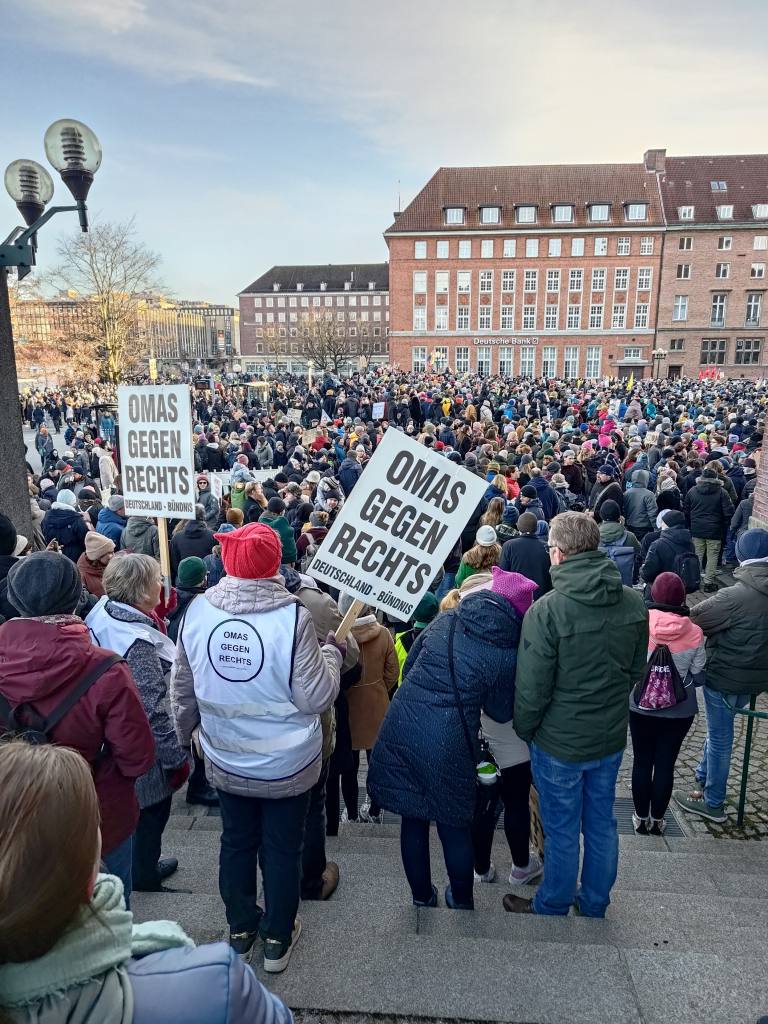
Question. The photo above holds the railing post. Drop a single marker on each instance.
(745, 769)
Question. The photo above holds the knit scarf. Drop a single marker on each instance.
(83, 977)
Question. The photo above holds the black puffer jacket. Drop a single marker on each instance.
(663, 551)
(708, 510)
(193, 539)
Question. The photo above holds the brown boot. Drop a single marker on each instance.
(518, 905)
(330, 880)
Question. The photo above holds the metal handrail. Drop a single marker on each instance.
(750, 715)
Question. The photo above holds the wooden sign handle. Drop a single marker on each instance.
(349, 619)
(165, 555)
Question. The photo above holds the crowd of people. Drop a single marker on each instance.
(560, 622)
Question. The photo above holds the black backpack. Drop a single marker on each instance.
(688, 568)
(661, 686)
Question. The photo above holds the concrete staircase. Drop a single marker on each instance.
(685, 940)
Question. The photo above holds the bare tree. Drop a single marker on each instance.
(110, 270)
(328, 341)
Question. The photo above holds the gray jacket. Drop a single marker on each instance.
(314, 680)
(211, 506)
(142, 536)
(640, 509)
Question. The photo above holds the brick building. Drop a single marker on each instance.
(335, 314)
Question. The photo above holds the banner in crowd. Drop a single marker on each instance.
(156, 462)
(220, 481)
(398, 526)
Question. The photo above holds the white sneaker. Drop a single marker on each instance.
(489, 876)
(522, 876)
(277, 954)
(364, 814)
(345, 816)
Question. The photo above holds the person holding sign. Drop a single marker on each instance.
(250, 674)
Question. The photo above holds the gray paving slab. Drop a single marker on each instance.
(201, 916)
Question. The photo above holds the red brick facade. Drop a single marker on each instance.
(760, 507)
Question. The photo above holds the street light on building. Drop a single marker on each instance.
(657, 355)
(73, 149)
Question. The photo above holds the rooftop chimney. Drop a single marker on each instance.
(396, 214)
(655, 160)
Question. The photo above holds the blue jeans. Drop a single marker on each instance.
(119, 862)
(448, 582)
(573, 799)
(716, 756)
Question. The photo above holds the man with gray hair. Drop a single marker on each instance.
(572, 708)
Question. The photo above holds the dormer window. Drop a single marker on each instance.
(347, 285)
(299, 286)
(490, 215)
(525, 214)
(599, 212)
(718, 186)
(636, 211)
(562, 213)
(371, 285)
(454, 214)
(276, 286)
(323, 286)
(725, 213)
(760, 211)
(685, 212)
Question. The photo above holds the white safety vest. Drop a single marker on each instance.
(242, 667)
(118, 636)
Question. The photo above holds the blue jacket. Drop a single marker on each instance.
(546, 495)
(204, 985)
(111, 525)
(349, 474)
(67, 527)
(420, 766)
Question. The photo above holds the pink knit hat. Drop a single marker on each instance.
(515, 587)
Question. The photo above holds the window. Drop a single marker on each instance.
(553, 280)
(571, 362)
(555, 246)
(454, 215)
(353, 318)
(551, 316)
(632, 353)
(441, 281)
(601, 247)
(465, 250)
(619, 318)
(490, 215)
(549, 361)
(722, 270)
(462, 359)
(340, 300)
(531, 280)
(760, 211)
(531, 247)
(510, 247)
(685, 213)
(270, 303)
(713, 351)
(575, 280)
(506, 361)
(761, 242)
(621, 279)
(717, 315)
(484, 318)
(754, 302)
(441, 318)
(636, 211)
(419, 318)
(574, 318)
(644, 276)
(757, 270)
(677, 345)
(486, 249)
(270, 318)
(725, 213)
(562, 214)
(646, 246)
(598, 280)
(507, 318)
(577, 247)
(257, 303)
(507, 280)
(329, 299)
(257, 318)
(622, 246)
(718, 186)
(595, 316)
(641, 314)
(599, 212)
(292, 301)
(724, 242)
(462, 318)
(747, 351)
(376, 300)
(305, 300)
(484, 357)
(420, 282)
(527, 361)
(683, 271)
(486, 280)
(594, 358)
(340, 317)
(680, 309)
(685, 242)
(443, 250)
(419, 356)
(525, 214)
(529, 318)
(463, 279)
(420, 250)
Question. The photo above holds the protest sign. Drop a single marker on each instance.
(398, 526)
(217, 488)
(325, 418)
(378, 410)
(220, 481)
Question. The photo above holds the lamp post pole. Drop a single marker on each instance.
(14, 494)
(657, 355)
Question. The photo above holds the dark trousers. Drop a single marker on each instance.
(656, 743)
(197, 780)
(514, 789)
(147, 842)
(313, 860)
(457, 851)
(349, 788)
(269, 833)
(641, 532)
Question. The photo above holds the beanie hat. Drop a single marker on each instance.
(243, 460)
(749, 466)
(527, 523)
(485, 537)
(87, 494)
(510, 514)
(607, 470)
(21, 543)
(610, 511)
(252, 553)
(672, 518)
(7, 535)
(202, 479)
(66, 498)
(276, 505)
(426, 610)
(529, 491)
(191, 572)
(752, 546)
(235, 517)
(97, 545)
(44, 583)
(515, 587)
(116, 502)
(668, 588)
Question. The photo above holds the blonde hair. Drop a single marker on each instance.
(450, 600)
(494, 513)
(481, 557)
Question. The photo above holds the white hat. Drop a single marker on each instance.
(486, 536)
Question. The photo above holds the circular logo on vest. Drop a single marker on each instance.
(235, 651)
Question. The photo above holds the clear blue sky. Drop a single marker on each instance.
(243, 133)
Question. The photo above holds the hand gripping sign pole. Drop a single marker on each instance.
(396, 528)
(156, 460)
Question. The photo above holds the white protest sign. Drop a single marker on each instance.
(325, 418)
(221, 480)
(398, 525)
(378, 410)
(217, 488)
(156, 451)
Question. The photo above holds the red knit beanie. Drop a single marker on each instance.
(668, 588)
(252, 552)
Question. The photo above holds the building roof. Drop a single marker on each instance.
(687, 181)
(333, 274)
(543, 186)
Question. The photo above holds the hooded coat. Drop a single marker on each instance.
(141, 535)
(284, 530)
(528, 556)
(664, 550)
(368, 699)
(640, 508)
(68, 527)
(193, 539)
(708, 509)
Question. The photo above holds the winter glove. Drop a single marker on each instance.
(340, 645)
(179, 776)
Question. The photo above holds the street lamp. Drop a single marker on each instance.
(73, 149)
(657, 355)
(310, 364)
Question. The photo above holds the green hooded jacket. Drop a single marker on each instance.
(582, 647)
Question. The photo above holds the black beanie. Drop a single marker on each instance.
(610, 511)
(276, 505)
(7, 535)
(44, 583)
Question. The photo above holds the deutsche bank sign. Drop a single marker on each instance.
(506, 341)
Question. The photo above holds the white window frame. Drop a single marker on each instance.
(646, 245)
(419, 358)
(685, 212)
(485, 318)
(598, 279)
(527, 361)
(633, 353)
(621, 274)
(685, 243)
(510, 248)
(551, 316)
(507, 281)
(577, 247)
(644, 279)
(624, 245)
(601, 246)
(442, 282)
(757, 271)
(725, 212)
(576, 280)
(486, 249)
(485, 282)
(465, 249)
(571, 362)
(574, 317)
(525, 214)
(531, 281)
(463, 282)
(490, 214)
(553, 280)
(484, 360)
(419, 282)
(760, 211)
(725, 243)
(755, 301)
(441, 318)
(529, 317)
(680, 308)
(419, 250)
(641, 315)
(593, 361)
(596, 211)
(683, 272)
(722, 271)
(455, 215)
(760, 242)
(443, 249)
(562, 213)
(462, 358)
(555, 247)
(531, 248)
(507, 318)
(634, 212)
(506, 361)
(419, 318)
(596, 316)
(462, 318)
(720, 322)
(619, 316)
(549, 361)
